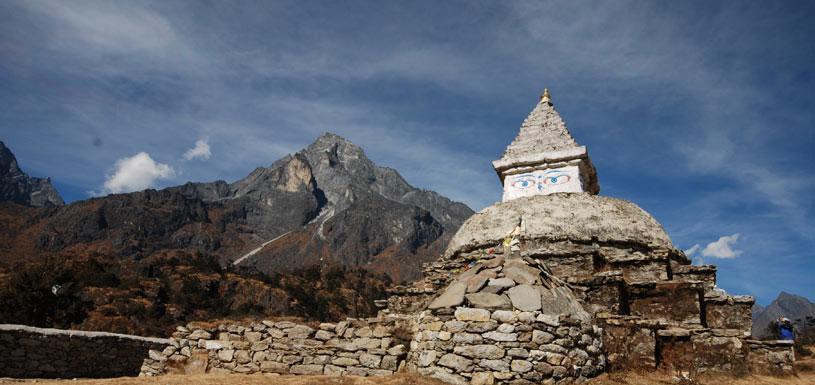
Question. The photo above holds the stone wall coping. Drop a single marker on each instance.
(694, 269)
(577, 152)
(80, 333)
(772, 343)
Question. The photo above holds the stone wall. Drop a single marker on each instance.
(29, 352)
(773, 358)
(372, 347)
(478, 346)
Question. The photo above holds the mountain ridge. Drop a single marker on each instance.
(299, 193)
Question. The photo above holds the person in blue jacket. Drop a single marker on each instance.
(785, 330)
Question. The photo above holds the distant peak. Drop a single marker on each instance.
(335, 144)
(784, 294)
(331, 137)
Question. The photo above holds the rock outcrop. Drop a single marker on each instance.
(16, 186)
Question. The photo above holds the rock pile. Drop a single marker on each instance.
(373, 347)
(506, 320)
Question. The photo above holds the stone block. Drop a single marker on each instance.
(469, 314)
(306, 369)
(456, 362)
(370, 360)
(488, 301)
(274, 367)
(729, 313)
(501, 337)
(482, 378)
(525, 297)
(453, 296)
(520, 366)
(299, 332)
(677, 302)
(480, 351)
(494, 365)
(629, 346)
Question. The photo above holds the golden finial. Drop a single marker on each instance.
(546, 97)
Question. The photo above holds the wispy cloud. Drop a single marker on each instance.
(722, 248)
(200, 151)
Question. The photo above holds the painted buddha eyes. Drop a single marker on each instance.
(524, 181)
(552, 178)
(555, 179)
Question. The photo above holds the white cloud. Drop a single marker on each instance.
(136, 173)
(690, 252)
(723, 248)
(200, 151)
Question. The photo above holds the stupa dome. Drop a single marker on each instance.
(574, 217)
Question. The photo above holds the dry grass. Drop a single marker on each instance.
(662, 379)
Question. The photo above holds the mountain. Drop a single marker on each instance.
(16, 186)
(794, 307)
(328, 204)
(318, 234)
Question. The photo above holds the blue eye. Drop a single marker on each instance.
(522, 181)
(557, 179)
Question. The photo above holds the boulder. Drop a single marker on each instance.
(488, 301)
(452, 296)
(525, 298)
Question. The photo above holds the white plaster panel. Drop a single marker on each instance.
(542, 182)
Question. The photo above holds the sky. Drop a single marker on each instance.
(702, 113)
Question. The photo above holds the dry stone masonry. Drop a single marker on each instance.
(506, 320)
(29, 352)
(374, 347)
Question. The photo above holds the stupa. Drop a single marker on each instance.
(556, 284)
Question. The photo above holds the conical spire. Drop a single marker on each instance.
(544, 147)
(542, 131)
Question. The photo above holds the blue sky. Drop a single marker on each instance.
(703, 113)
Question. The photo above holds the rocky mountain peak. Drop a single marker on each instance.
(8, 163)
(792, 306)
(16, 186)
